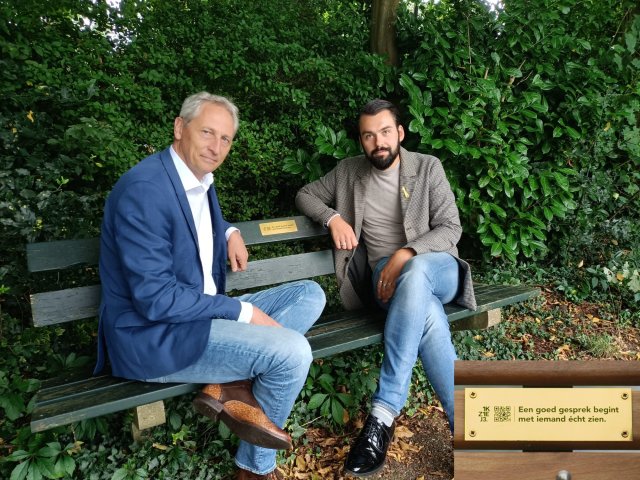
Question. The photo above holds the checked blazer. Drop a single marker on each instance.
(430, 217)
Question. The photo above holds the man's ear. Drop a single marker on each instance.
(400, 133)
(178, 124)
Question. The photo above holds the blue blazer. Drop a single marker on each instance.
(154, 318)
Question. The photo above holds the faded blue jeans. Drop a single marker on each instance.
(277, 359)
(417, 326)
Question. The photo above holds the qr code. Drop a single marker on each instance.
(501, 414)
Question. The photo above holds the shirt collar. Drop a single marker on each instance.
(188, 179)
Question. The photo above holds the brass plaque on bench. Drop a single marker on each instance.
(274, 228)
(548, 414)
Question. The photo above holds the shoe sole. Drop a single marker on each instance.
(372, 472)
(249, 432)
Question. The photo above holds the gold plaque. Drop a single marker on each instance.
(548, 414)
(274, 228)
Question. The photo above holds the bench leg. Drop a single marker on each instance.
(480, 321)
(145, 417)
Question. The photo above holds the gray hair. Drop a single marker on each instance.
(192, 105)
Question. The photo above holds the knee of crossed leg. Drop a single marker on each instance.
(315, 297)
(294, 354)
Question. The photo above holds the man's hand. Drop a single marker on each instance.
(237, 251)
(261, 318)
(387, 281)
(344, 238)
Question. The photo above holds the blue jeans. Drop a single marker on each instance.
(417, 325)
(277, 359)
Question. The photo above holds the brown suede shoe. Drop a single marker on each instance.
(234, 404)
(247, 475)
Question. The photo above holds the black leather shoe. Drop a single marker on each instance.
(368, 453)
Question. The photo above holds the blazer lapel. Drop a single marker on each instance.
(408, 178)
(174, 178)
(359, 195)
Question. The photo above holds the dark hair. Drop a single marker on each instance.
(376, 106)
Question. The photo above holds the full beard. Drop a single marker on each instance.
(382, 163)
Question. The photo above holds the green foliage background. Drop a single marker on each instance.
(533, 110)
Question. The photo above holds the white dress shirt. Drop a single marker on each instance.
(196, 191)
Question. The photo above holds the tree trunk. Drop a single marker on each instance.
(383, 29)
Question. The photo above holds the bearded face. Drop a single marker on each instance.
(380, 138)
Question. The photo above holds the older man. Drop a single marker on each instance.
(165, 316)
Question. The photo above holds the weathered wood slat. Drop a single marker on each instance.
(120, 396)
(60, 306)
(305, 229)
(50, 308)
(369, 333)
(64, 254)
(546, 465)
(281, 269)
(490, 297)
(547, 374)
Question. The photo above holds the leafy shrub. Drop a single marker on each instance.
(510, 116)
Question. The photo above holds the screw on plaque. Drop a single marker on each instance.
(625, 396)
(472, 395)
(472, 433)
(563, 475)
(625, 434)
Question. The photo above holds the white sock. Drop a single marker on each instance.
(383, 414)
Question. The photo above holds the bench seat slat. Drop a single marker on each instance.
(490, 297)
(121, 396)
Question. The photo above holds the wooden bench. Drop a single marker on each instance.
(70, 398)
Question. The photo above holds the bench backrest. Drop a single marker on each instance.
(69, 304)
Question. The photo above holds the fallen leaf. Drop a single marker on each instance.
(328, 442)
(403, 432)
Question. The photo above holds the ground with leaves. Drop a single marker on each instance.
(422, 447)
(421, 450)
